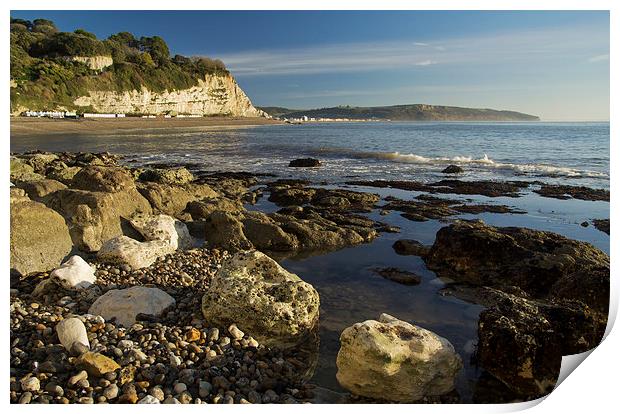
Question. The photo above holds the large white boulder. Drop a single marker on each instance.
(162, 227)
(264, 300)
(75, 273)
(124, 304)
(393, 360)
(70, 331)
(125, 250)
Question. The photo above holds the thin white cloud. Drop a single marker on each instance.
(599, 58)
(527, 47)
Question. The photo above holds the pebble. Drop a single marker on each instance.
(149, 399)
(235, 332)
(25, 398)
(77, 377)
(30, 384)
(179, 388)
(111, 392)
(175, 359)
(204, 388)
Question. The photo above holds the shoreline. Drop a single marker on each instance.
(21, 127)
(400, 249)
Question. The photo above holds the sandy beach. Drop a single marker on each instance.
(37, 126)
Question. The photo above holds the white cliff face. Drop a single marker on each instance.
(215, 95)
(94, 62)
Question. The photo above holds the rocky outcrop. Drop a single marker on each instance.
(164, 228)
(123, 250)
(124, 305)
(305, 162)
(517, 345)
(538, 262)
(390, 359)
(95, 216)
(39, 189)
(213, 95)
(264, 300)
(40, 238)
(173, 199)
(99, 178)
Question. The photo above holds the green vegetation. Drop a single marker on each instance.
(416, 112)
(45, 77)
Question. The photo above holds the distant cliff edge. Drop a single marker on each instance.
(416, 112)
(75, 71)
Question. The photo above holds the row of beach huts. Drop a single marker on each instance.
(75, 115)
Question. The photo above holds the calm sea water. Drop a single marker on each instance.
(569, 153)
(566, 153)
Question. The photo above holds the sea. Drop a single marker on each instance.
(542, 152)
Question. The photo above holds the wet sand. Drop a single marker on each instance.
(41, 126)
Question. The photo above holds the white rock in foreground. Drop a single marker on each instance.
(264, 300)
(70, 331)
(162, 227)
(125, 304)
(393, 360)
(75, 273)
(125, 250)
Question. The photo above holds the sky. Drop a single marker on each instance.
(554, 64)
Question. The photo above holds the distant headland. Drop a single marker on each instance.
(414, 112)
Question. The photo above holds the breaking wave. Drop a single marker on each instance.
(479, 163)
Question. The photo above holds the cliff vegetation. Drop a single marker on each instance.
(48, 69)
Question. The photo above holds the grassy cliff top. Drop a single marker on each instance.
(45, 76)
(414, 112)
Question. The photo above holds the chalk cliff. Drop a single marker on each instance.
(214, 95)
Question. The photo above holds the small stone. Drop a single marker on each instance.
(77, 378)
(171, 400)
(149, 399)
(213, 334)
(204, 388)
(252, 342)
(30, 384)
(193, 335)
(175, 361)
(179, 388)
(86, 400)
(25, 398)
(96, 364)
(185, 397)
(54, 389)
(111, 391)
(235, 332)
(158, 393)
(125, 344)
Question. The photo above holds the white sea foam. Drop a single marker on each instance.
(483, 162)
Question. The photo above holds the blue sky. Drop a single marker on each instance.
(554, 64)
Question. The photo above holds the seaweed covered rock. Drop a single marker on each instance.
(393, 360)
(264, 300)
(538, 262)
(518, 346)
